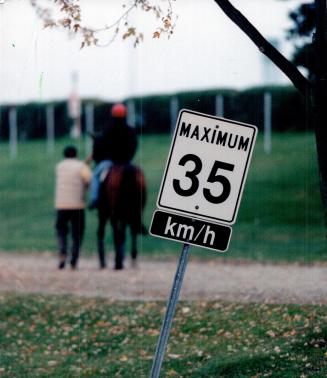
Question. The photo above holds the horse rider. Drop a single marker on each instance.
(72, 179)
(116, 145)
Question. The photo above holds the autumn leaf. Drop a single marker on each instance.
(49, 24)
(277, 349)
(271, 333)
(173, 356)
(130, 31)
(66, 22)
(185, 310)
(167, 23)
(153, 332)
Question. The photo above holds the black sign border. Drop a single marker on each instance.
(187, 242)
(197, 215)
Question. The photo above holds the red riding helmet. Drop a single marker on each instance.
(119, 111)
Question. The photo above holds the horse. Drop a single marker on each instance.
(122, 199)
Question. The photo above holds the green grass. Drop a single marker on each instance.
(280, 217)
(60, 336)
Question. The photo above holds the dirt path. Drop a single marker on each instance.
(152, 280)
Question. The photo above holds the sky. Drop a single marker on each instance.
(206, 51)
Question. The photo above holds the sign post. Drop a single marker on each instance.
(200, 193)
(170, 312)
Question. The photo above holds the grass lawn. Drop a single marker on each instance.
(54, 336)
(280, 216)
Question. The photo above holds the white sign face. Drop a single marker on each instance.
(207, 167)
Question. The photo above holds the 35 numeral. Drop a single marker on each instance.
(212, 178)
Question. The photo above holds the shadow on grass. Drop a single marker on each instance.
(247, 366)
(309, 353)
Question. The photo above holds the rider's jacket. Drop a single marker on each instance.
(117, 143)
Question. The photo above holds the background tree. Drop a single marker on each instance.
(313, 89)
(301, 34)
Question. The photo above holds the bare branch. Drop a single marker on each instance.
(70, 19)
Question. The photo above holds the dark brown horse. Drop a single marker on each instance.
(122, 200)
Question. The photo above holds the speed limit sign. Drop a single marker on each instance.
(207, 167)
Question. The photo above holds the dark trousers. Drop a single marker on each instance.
(70, 221)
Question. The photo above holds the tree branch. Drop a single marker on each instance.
(289, 69)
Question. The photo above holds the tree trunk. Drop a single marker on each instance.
(266, 48)
(315, 93)
(320, 97)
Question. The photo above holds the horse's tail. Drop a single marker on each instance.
(141, 185)
(111, 188)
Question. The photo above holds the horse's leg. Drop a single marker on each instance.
(119, 243)
(134, 246)
(100, 234)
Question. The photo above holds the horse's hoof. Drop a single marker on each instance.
(119, 267)
(61, 265)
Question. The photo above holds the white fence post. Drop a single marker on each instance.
(89, 127)
(219, 105)
(50, 123)
(131, 113)
(267, 123)
(13, 133)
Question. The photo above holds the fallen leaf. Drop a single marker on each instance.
(271, 333)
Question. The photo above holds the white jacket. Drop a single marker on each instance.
(72, 179)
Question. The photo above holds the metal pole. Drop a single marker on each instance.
(219, 105)
(171, 306)
(267, 123)
(89, 121)
(13, 132)
(50, 129)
